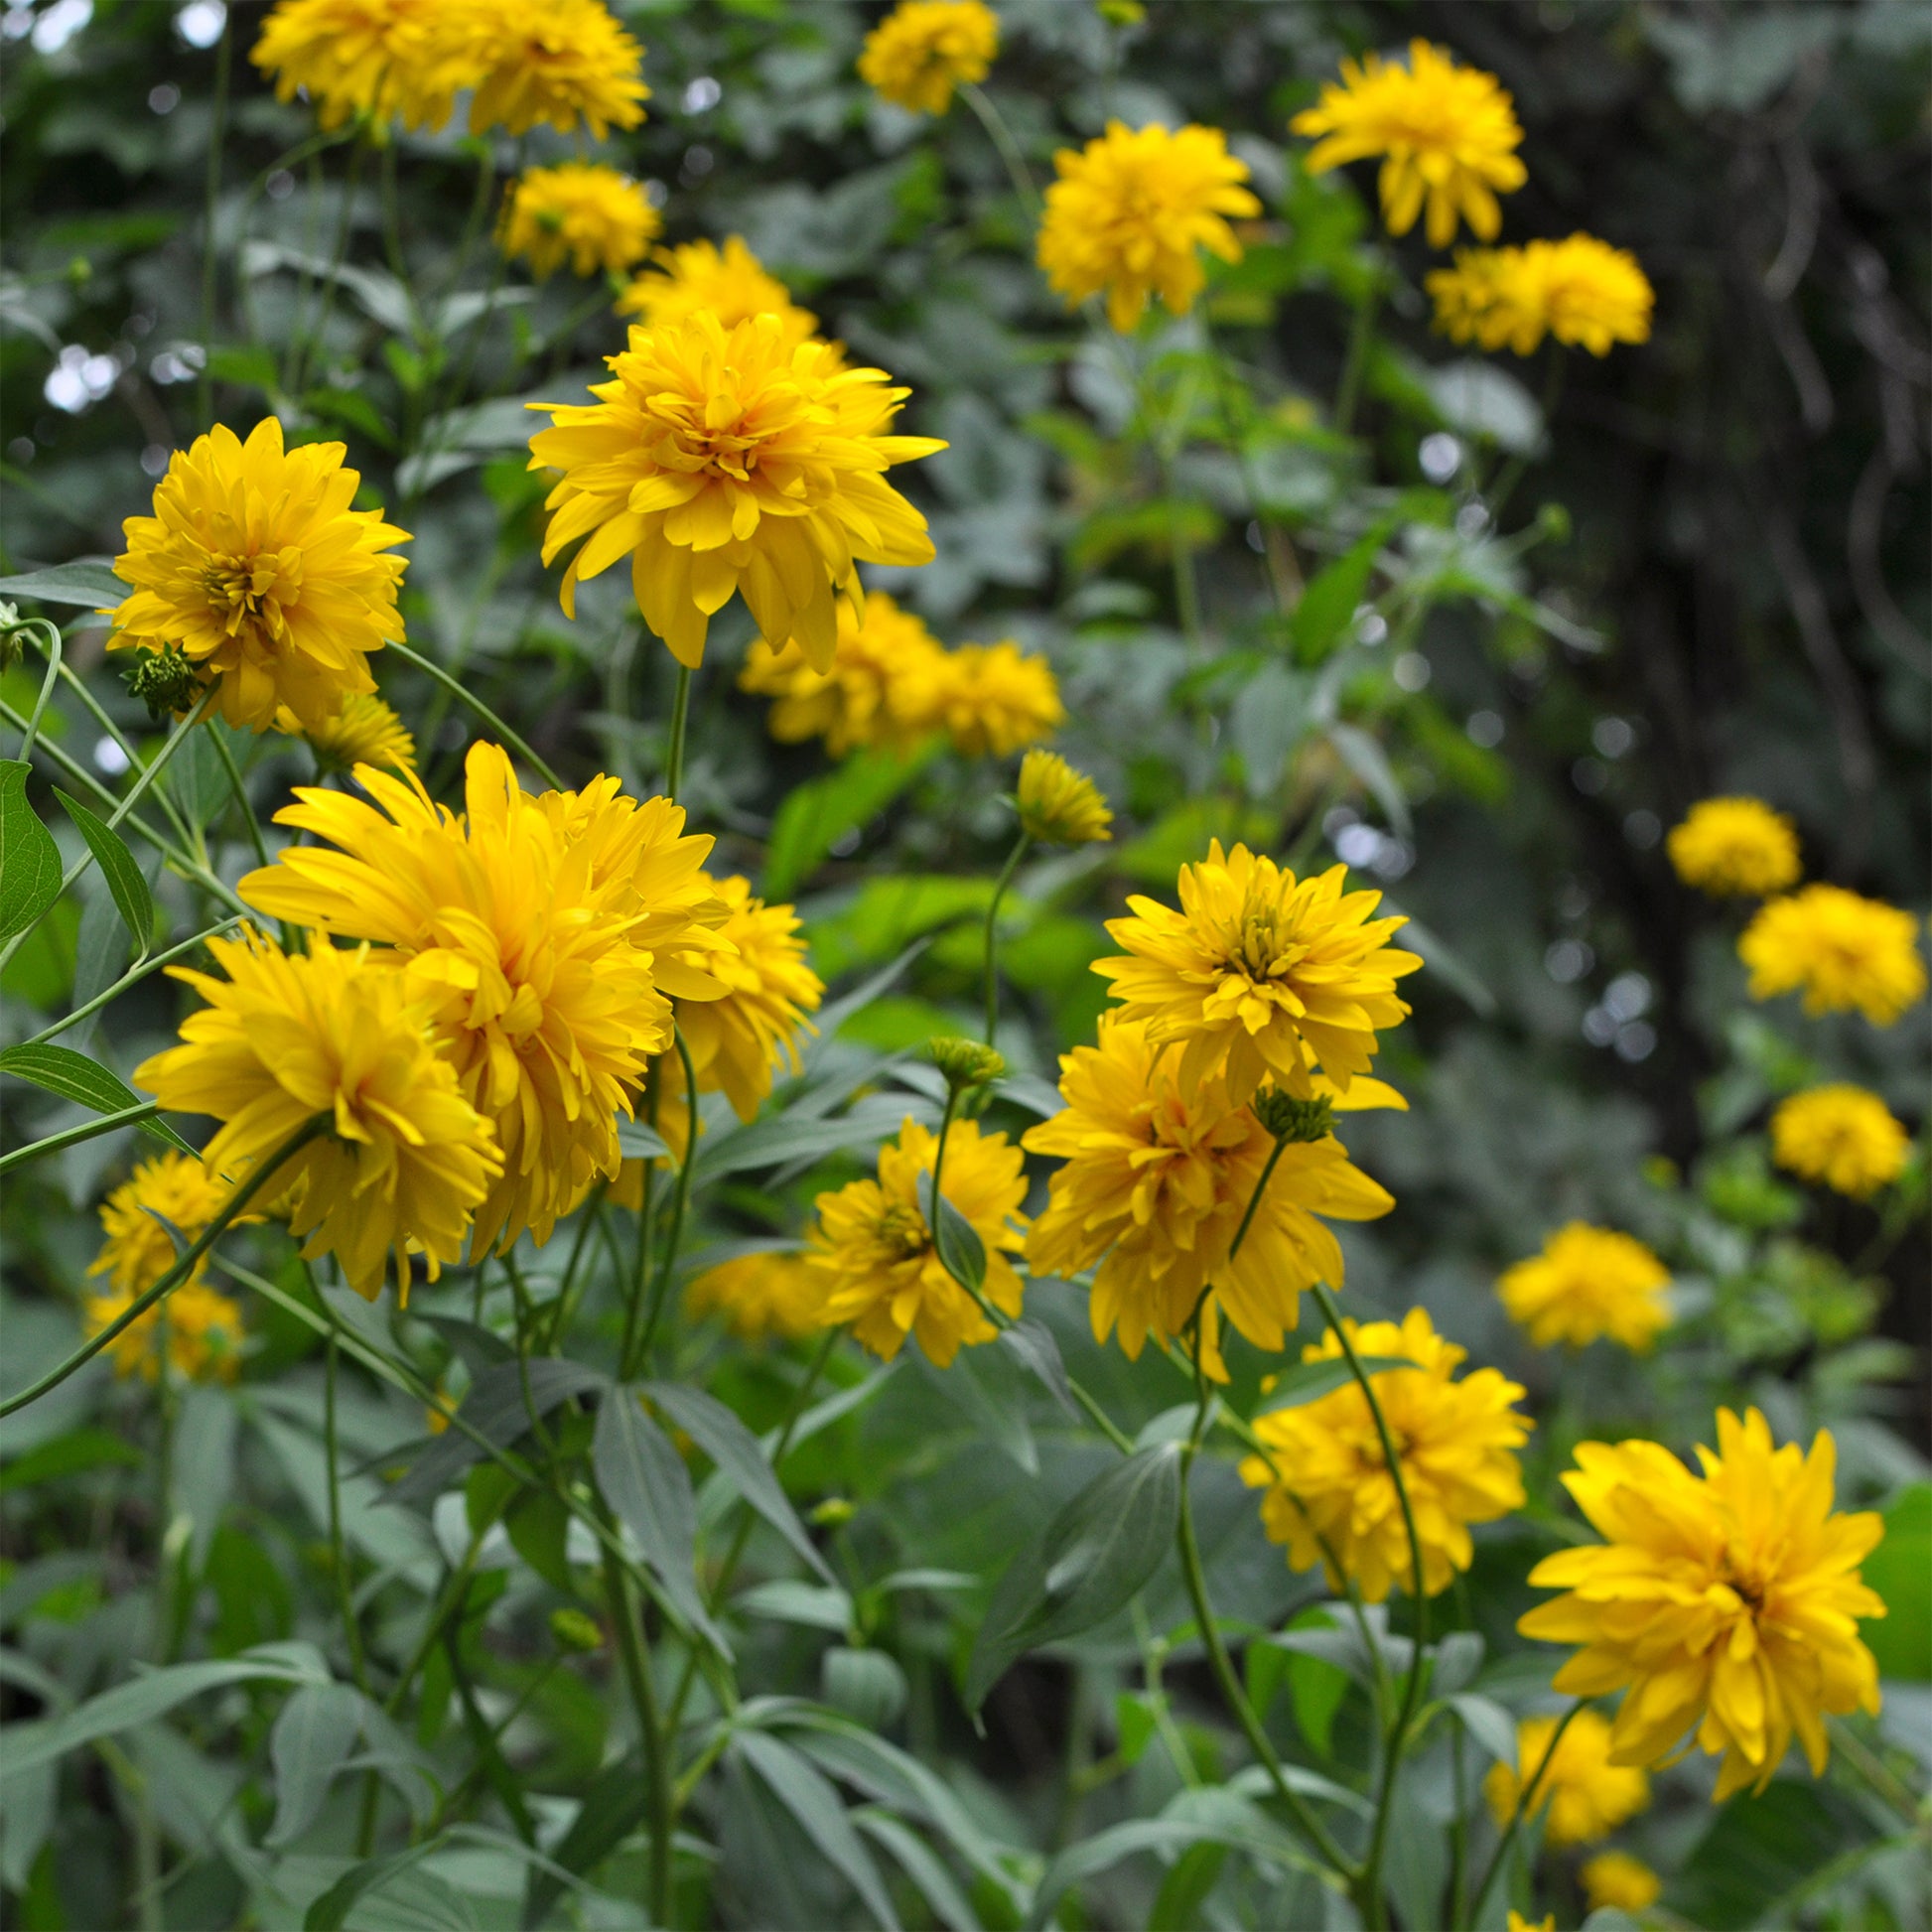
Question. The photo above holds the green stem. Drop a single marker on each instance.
(131, 977)
(392, 218)
(53, 650)
(680, 1206)
(311, 338)
(1254, 1200)
(242, 798)
(87, 1129)
(216, 139)
(652, 1732)
(1525, 1805)
(1511, 473)
(999, 885)
(1361, 332)
(1008, 149)
(674, 753)
(481, 710)
(81, 689)
(337, 1549)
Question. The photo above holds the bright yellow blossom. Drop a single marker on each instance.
(771, 1292)
(256, 565)
(562, 64)
(1586, 1796)
(990, 698)
(1329, 1496)
(1615, 1881)
(1518, 1923)
(1841, 1135)
(356, 57)
(203, 1326)
(731, 282)
(404, 1159)
(365, 731)
(138, 1250)
(1059, 805)
(924, 49)
(1842, 951)
(1588, 1282)
(1724, 1604)
(1264, 975)
(1581, 291)
(872, 1254)
(731, 461)
(1737, 846)
(590, 216)
(1131, 213)
(1448, 137)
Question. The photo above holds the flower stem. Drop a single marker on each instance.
(1360, 334)
(1254, 1200)
(216, 138)
(680, 1206)
(674, 751)
(481, 710)
(338, 1550)
(999, 885)
(53, 650)
(652, 1732)
(311, 339)
(1008, 149)
(1525, 1804)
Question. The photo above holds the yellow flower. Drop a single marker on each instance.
(1330, 1497)
(1059, 805)
(203, 1328)
(1447, 136)
(547, 931)
(924, 49)
(1726, 1602)
(1615, 1881)
(1734, 846)
(138, 1250)
(1158, 1174)
(563, 62)
(732, 283)
(990, 698)
(256, 565)
(1581, 291)
(1841, 1136)
(1518, 1923)
(593, 216)
(771, 1292)
(365, 731)
(1588, 1796)
(405, 1158)
(1588, 1282)
(872, 1251)
(883, 686)
(1131, 213)
(1261, 974)
(1842, 951)
(732, 461)
(738, 1041)
(356, 58)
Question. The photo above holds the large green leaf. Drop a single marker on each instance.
(1901, 1571)
(805, 1791)
(30, 861)
(73, 1077)
(88, 581)
(312, 1739)
(1757, 1850)
(132, 899)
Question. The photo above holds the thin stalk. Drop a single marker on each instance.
(242, 799)
(53, 650)
(1525, 1805)
(392, 218)
(481, 710)
(1186, 584)
(999, 885)
(337, 1549)
(1254, 1200)
(680, 1206)
(560, 1312)
(87, 1129)
(674, 753)
(1511, 473)
(1361, 332)
(132, 976)
(459, 1794)
(650, 1726)
(81, 690)
(1008, 149)
(216, 139)
(311, 338)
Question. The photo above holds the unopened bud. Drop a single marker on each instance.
(1289, 1119)
(574, 1630)
(166, 681)
(833, 1512)
(964, 1062)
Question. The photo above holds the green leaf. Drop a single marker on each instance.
(867, 1685)
(1310, 1381)
(1033, 1341)
(331, 1911)
(538, 1527)
(962, 1254)
(1486, 1722)
(611, 1808)
(73, 1454)
(638, 1142)
(1757, 1850)
(30, 861)
(1098, 1551)
(1901, 1571)
(315, 1732)
(819, 813)
(88, 581)
(496, 1407)
(805, 1791)
(1177, 1906)
(982, 1385)
(132, 898)
(1322, 618)
(73, 1077)
(1364, 757)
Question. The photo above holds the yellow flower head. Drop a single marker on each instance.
(1839, 950)
(1330, 1497)
(1131, 213)
(356, 58)
(872, 1251)
(1448, 137)
(1587, 1797)
(1737, 846)
(1158, 1174)
(1615, 1881)
(590, 216)
(1263, 975)
(1726, 1602)
(1588, 1282)
(1581, 291)
(924, 49)
(988, 698)
(1518, 1923)
(138, 1250)
(730, 282)
(1059, 805)
(1843, 1137)
(365, 731)
(404, 1159)
(774, 1293)
(883, 686)
(563, 62)
(722, 460)
(546, 932)
(256, 565)
(738, 1041)
(203, 1326)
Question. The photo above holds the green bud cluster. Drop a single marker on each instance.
(1289, 1119)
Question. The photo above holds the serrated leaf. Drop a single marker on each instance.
(132, 899)
(86, 581)
(73, 1077)
(30, 861)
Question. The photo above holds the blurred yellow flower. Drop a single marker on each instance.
(365, 731)
(1158, 1177)
(722, 462)
(590, 216)
(1588, 1282)
(924, 49)
(1586, 1796)
(1581, 291)
(283, 1039)
(1448, 137)
(774, 1293)
(138, 1250)
(1737, 847)
(256, 565)
(203, 1328)
(872, 1250)
(356, 57)
(1131, 213)
(1059, 805)
(1329, 1496)
(990, 698)
(1844, 1137)
(1261, 974)
(883, 686)
(562, 64)
(1615, 1881)
(738, 1041)
(1839, 950)
(1724, 1602)
(1518, 1923)
(731, 282)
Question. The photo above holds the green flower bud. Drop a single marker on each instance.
(166, 681)
(1289, 1119)
(964, 1062)
(576, 1631)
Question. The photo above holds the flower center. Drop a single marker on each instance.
(247, 593)
(901, 1233)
